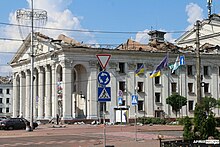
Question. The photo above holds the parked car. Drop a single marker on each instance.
(2, 118)
(15, 123)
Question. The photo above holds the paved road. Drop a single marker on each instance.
(87, 136)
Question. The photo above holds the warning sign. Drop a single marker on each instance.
(104, 94)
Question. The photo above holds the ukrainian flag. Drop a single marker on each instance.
(140, 70)
(157, 71)
(156, 74)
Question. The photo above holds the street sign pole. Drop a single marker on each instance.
(104, 131)
(135, 123)
(104, 93)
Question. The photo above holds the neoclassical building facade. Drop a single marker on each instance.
(65, 79)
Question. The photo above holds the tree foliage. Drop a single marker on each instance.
(204, 123)
(176, 102)
(187, 130)
(209, 103)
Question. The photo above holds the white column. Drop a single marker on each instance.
(27, 100)
(48, 94)
(41, 94)
(67, 93)
(54, 94)
(92, 95)
(35, 99)
(15, 106)
(22, 93)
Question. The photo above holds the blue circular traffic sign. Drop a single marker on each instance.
(103, 78)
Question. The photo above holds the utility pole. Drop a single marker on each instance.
(198, 63)
(209, 6)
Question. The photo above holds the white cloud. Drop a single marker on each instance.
(194, 13)
(59, 16)
(142, 36)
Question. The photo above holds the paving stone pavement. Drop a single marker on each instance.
(117, 136)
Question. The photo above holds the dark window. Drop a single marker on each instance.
(157, 97)
(140, 87)
(7, 100)
(173, 87)
(190, 87)
(206, 87)
(219, 70)
(7, 110)
(122, 86)
(7, 91)
(0, 110)
(190, 105)
(189, 70)
(140, 105)
(123, 103)
(1, 91)
(206, 70)
(121, 67)
(157, 80)
(0, 100)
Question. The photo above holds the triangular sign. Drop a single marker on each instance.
(104, 94)
(119, 100)
(103, 59)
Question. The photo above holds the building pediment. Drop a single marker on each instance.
(209, 32)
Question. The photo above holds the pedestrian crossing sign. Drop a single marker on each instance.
(134, 100)
(120, 101)
(104, 94)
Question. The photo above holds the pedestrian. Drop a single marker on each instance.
(125, 115)
(57, 119)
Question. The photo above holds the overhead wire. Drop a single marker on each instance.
(88, 31)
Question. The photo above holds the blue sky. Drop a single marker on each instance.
(105, 15)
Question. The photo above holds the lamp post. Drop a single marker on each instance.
(25, 17)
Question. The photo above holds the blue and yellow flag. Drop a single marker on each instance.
(140, 70)
(157, 71)
(156, 74)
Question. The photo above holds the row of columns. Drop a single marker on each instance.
(45, 99)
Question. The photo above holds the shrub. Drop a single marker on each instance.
(187, 130)
(153, 120)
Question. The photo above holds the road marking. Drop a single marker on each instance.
(51, 142)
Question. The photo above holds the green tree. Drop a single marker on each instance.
(176, 102)
(209, 103)
(187, 130)
(204, 123)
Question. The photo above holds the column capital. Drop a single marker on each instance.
(66, 63)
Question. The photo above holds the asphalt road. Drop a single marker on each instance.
(88, 136)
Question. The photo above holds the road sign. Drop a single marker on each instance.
(104, 94)
(134, 100)
(103, 59)
(120, 101)
(103, 78)
(120, 93)
(182, 61)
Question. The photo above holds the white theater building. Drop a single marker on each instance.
(65, 79)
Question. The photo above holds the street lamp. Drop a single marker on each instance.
(24, 18)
